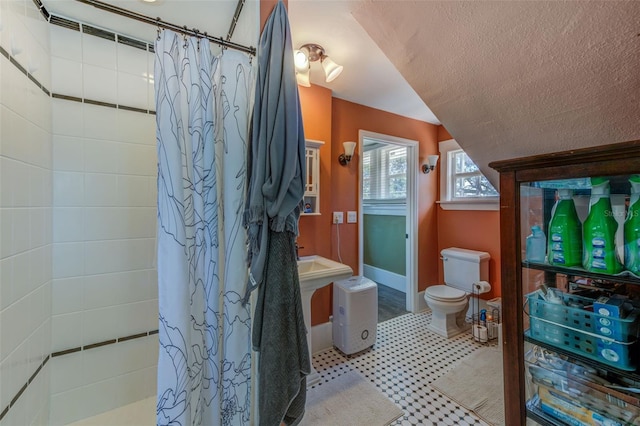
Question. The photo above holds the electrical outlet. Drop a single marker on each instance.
(352, 217)
(338, 217)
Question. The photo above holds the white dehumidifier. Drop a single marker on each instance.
(355, 314)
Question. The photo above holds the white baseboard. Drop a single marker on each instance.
(321, 337)
(390, 279)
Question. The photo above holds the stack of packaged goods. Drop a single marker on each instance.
(575, 394)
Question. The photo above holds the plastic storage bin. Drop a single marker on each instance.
(583, 332)
(355, 314)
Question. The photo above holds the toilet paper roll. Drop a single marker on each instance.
(480, 333)
(482, 287)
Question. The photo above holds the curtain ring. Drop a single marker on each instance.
(184, 37)
(195, 30)
(158, 23)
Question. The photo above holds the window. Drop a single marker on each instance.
(462, 184)
(467, 181)
(384, 173)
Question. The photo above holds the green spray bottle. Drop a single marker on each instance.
(632, 229)
(600, 254)
(564, 246)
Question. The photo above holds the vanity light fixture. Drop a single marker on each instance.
(349, 148)
(312, 52)
(432, 160)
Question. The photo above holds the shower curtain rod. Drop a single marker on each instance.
(183, 30)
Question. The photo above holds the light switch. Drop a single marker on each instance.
(352, 217)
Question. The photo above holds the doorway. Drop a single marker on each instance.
(388, 237)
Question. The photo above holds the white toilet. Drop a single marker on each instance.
(449, 303)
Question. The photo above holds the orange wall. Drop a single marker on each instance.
(334, 121)
(316, 115)
(344, 120)
(474, 230)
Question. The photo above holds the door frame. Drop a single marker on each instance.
(412, 304)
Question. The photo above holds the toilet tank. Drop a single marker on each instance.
(463, 268)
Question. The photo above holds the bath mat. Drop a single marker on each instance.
(346, 401)
(476, 384)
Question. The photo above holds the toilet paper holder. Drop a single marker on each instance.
(481, 287)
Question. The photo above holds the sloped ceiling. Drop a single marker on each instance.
(512, 79)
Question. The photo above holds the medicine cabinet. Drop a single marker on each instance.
(312, 188)
(570, 331)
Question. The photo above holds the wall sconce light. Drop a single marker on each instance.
(432, 160)
(349, 147)
(310, 53)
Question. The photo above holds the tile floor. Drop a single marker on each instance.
(405, 359)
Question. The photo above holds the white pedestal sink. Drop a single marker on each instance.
(316, 272)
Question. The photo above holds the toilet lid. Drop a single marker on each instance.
(445, 293)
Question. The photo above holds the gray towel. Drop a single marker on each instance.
(279, 334)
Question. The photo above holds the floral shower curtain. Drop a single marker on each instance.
(202, 116)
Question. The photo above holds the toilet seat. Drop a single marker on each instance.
(445, 293)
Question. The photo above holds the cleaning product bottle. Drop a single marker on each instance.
(600, 254)
(632, 228)
(565, 232)
(536, 245)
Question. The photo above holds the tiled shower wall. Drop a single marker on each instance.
(104, 285)
(25, 215)
(78, 292)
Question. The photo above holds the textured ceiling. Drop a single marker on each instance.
(510, 79)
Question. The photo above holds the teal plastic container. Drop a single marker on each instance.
(564, 244)
(632, 229)
(600, 228)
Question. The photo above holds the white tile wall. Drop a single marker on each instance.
(131, 60)
(100, 83)
(68, 189)
(103, 378)
(132, 90)
(104, 218)
(66, 44)
(67, 295)
(68, 153)
(99, 52)
(101, 156)
(68, 224)
(100, 123)
(25, 214)
(66, 116)
(136, 128)
(66, 331)
(66, 76)
(121, 287)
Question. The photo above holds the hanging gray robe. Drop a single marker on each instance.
(276, 173)
(276, 156)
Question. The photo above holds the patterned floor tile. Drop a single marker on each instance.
(405, 359)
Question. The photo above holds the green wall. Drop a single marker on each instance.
(384, 242)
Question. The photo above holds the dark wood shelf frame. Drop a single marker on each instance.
(603, 160)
